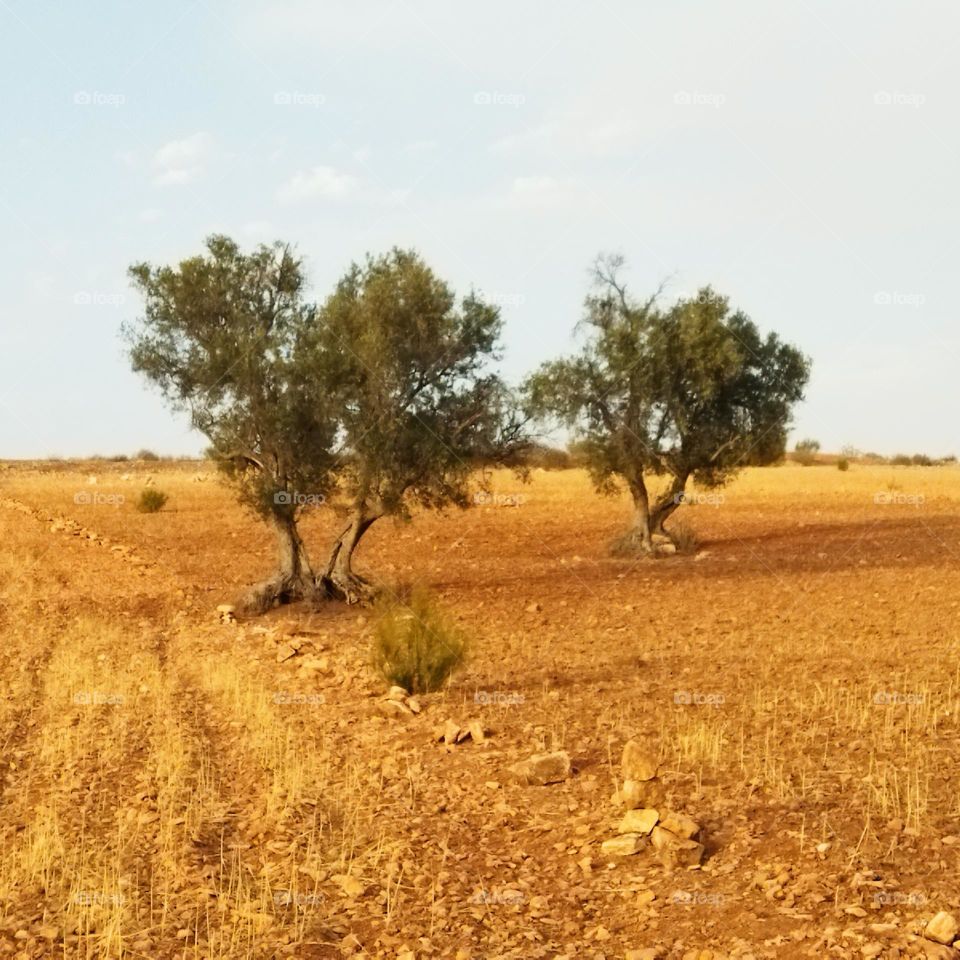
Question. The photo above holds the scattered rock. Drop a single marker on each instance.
(542, 769)
(639, 763)
(937, 951)
(315, 664)
(286, 651)
(639, 821)
(450, 732)
(394, 708)
(680, 825)
(625, 845)
(533, 608)
(351, 886)
(635, 794)
(673, 851)
(942, 928)
(226, 613)
(477, 732)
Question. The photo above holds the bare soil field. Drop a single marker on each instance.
(174, 786)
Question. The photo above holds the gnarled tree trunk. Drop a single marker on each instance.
(648, 520)
(338, 579)
(294, 579)
(666, 504)
(638, 538)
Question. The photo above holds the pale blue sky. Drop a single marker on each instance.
(800, 156)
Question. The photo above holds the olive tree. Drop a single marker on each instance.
(419, 407)
(379, 400)
(689, 391)
(221, 336)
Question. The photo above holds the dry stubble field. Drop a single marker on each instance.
(169, 789)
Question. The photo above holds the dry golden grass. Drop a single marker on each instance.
(169, 789)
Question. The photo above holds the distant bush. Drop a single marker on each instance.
(579, 453)
(546, 457)
(950, 458)
(805, 452)
(416, 646)
(921, 460)
(147, 455)
(151, 500)
(843, 464)
(901, 460)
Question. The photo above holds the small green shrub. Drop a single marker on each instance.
(416, 646)
(843, 464)
(805, 452)
(151, 500)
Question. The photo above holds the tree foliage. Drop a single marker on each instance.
(220, 336)
(379, 399)
(419, 408)
(689, 391)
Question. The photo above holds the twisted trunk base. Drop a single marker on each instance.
(338, 581)
(648, 523)
(294, 579)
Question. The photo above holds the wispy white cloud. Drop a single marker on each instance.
(318, 183)
(182, 161)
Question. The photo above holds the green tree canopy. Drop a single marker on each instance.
(221, 337)
(380, 399)
(420, 408)
(687, 391)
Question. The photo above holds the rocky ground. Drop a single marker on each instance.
(746, 751)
